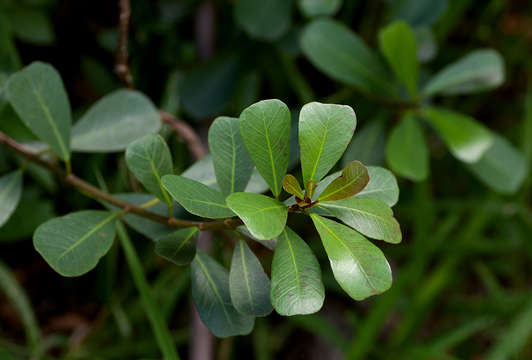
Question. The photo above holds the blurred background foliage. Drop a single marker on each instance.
(462, 276)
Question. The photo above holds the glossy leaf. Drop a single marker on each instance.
(368, 145)
(296, 287)
(232, 164)
(311, 188)
(398, 45)
(38, 96)
(73, 244)
(325, 130)
(291, 186)
(203, 172)
(114, 122)
(178, 247)
(467, 139)
(269, 244)
(210, 292)
(502, 167)
(359, 266)
(265, 130)
(370, 217)
(478, 71)
(149, 159)
(10, 191)
(352, 180)
(340, 53)
(197, 198)
(406, 150)
(382, 185)
(312, 8)
(248, 283)
(267, 20)
(264, 217)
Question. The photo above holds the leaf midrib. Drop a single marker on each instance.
(214, 289)
(340, 189)
(244, 270)
(157, 177)
(87, 235)
(49, 118)
(366, 277)
(185, 241)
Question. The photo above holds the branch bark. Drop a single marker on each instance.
(95, 193)
(122, 66)
(189, 136)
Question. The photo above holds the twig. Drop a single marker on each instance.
(122, 67)
(193, 141)
(95, 193)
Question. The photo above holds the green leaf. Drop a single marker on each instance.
(178, 247)
(39, 99)
(368, 144)
(406, 150)
(232, 164)
(248, 283)
(265, 129)
(478, 71)
(371, 217)
(312, 8)
(264, 217)
(32, 25)
(291, 186)
(151, 229)
(325, 130)
(114, 122)
(202, 171)
(73, 244)
(398, 45)
(418, 12)
(296, 287)
(197, 198)
(210, 292)
(503, 168)
(340, 53)
(207, 89)
(32, 210)
(269, 244)
(359, 266)
(353, 179)
(382, 185)
(149, 159)
(10, 191)
(265, 20)
(467, 139)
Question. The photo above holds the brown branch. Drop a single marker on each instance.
(122, 67)
(95, 193)
(189, 136)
